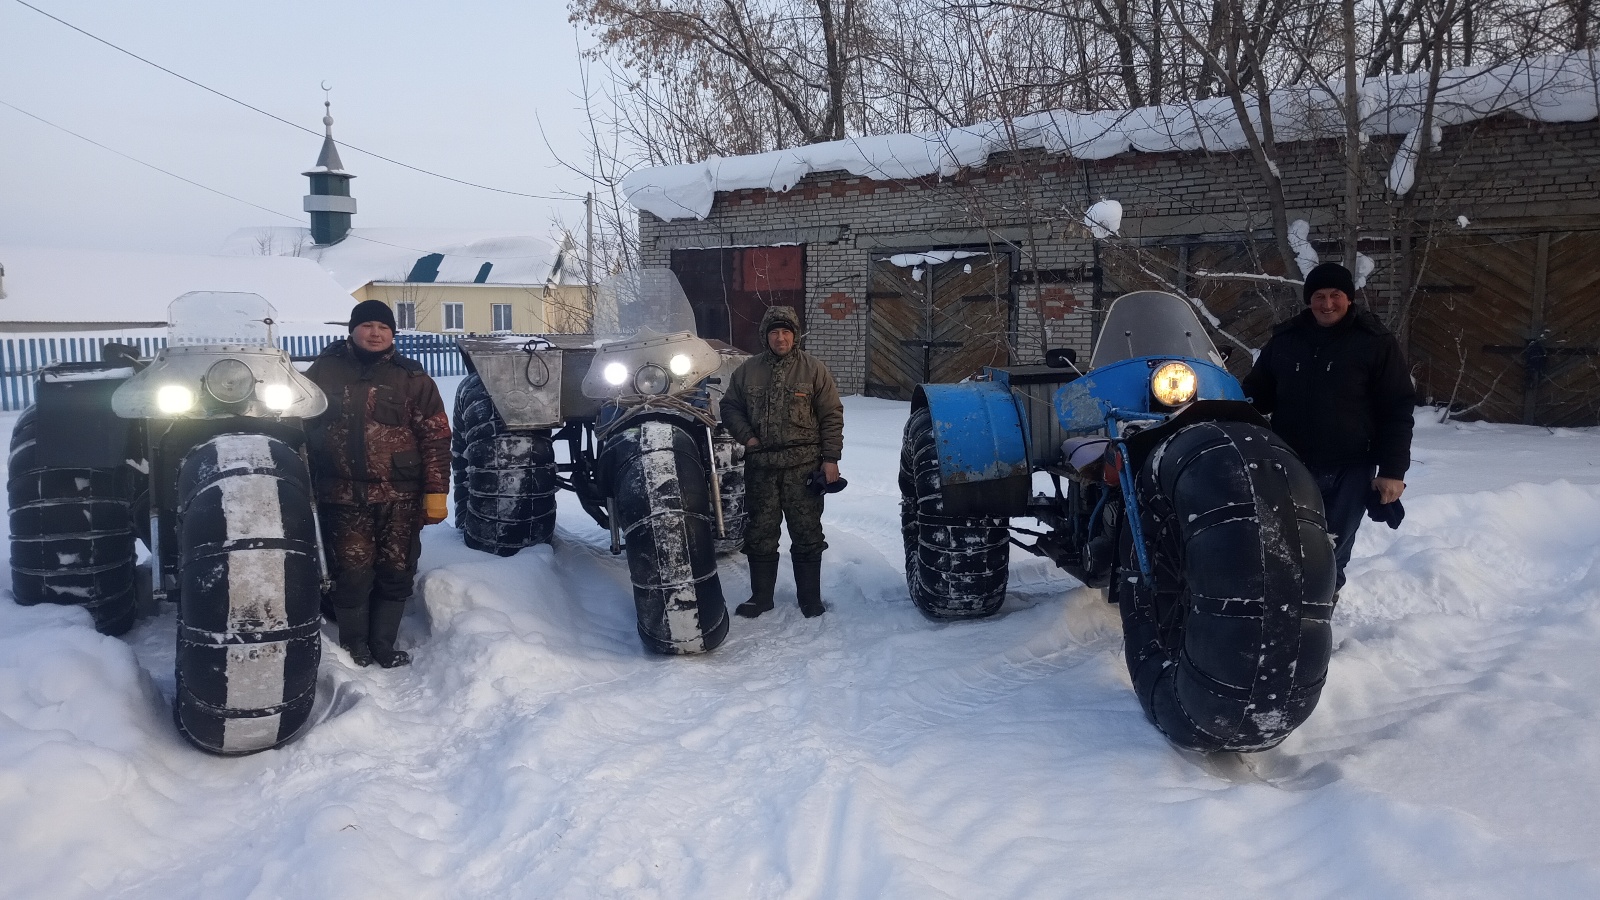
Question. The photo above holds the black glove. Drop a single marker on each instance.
(1390, 514)
(818, 482)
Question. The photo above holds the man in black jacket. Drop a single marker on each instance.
(1339, 392)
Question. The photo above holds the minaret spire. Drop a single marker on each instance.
(329, 202)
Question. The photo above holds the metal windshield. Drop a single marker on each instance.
(1151, 323)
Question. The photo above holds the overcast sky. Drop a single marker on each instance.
(460, 89)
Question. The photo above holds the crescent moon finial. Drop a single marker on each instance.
(326, 86)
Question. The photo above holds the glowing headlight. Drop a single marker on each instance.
(277, 396)
(174, 398)
(1173, 384)
(680, 365)
(652, 379)
(616, 373)
(230, 381)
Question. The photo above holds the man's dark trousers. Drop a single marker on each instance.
(1344, 492)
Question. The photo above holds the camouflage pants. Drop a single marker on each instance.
(372, 550)
(773, 496)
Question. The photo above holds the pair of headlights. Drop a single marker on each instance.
(229, 381)
(1173, 384)
(649, 378)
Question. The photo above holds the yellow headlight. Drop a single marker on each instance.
(1173, 384)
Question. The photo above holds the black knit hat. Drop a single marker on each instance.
(1329, 275)
(372, 311)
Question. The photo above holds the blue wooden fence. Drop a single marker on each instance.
(22, 358)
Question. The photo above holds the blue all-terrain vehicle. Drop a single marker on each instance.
(1169, 490)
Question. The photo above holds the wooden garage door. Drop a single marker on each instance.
(936, 322)
(1507, 327)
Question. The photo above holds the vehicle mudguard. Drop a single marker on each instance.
(981, 435)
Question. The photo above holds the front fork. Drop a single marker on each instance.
(1130, 505)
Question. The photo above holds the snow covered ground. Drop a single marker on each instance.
(534, 750)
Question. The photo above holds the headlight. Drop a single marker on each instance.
(616, 373)
(230, 381)
(174, 398)
(680, 365)
(652, 379)
(1173, 384)
(277, 396)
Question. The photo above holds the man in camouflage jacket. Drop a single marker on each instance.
(381, 458)
(783, 405)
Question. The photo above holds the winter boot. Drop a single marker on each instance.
(808, 586)
(386, 615)
(763, 579)
(353, 623)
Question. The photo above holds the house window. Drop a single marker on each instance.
(405, 314)
(455, 317)
(502, 316)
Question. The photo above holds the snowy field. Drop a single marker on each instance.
(534, 750)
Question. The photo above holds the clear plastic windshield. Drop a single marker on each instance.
(1151, 323)
(630, 301)
(220, 317)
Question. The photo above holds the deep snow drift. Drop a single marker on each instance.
(535, 750)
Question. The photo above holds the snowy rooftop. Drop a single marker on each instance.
(1546, 89)
(390, 254)
(68, 286)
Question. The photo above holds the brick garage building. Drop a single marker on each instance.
(928, 278)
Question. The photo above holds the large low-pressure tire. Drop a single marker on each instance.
(657, 474)
(72, 533)
(956, 567)
(1228, 648)
(730, 480)
(506, 481)
(249, 618)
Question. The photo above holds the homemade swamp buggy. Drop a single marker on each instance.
(1168, 489)
(200, 454)
(634, 405)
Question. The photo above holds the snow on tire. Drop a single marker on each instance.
(506, 480)
(249, 619)
(730, 481)
(72, 533)
(663, 505)
(956, 567)
(1228, 648)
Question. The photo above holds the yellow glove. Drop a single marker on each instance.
(433, 509)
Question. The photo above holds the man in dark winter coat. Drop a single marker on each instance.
(1339, 392)
(783, 405)
(381, 459)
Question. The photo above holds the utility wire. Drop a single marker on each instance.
(277, 118)
(149, 165)
(299, 220)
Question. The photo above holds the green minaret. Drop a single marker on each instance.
(329, 202)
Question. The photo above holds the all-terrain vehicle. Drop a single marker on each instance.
(635, 402)
(1169, 489)
(199, 453)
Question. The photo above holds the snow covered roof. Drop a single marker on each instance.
(1559, 88)
(391, 254)
(69, 286)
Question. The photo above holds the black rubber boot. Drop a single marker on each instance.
(353, 625)
(763, 579)
(386, 616)
(808, 586)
